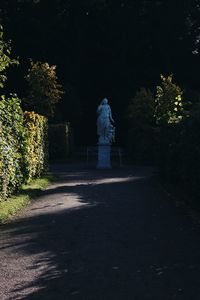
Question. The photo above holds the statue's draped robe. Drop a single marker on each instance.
(103, 120)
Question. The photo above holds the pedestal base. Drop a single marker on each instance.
(104, 157)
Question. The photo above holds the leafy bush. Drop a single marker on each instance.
(36, 155)
(141, 109)
(12, 145)
(23, 146)
(5, 60)
(180, 156)
(141, 140)
(169, 104)
(44, 90)
(169, 115)
(23, 140)
(179, 141)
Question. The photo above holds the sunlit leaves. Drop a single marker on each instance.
(44, 90)
(169, 105)
(5, 60)
(23, 145)
(11, 145)
(36, 144)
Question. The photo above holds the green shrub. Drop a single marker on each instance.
(5, 60)
(141, 138)
(23, 138)
(179, 141)
(180, 156)
(141, 109)
(23, 146)
(36, 155)
(170, 114)
(169, 104)
(12, 145)
(44, 90)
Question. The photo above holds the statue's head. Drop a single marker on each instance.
(105, 101)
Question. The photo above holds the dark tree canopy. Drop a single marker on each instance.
(105, 48)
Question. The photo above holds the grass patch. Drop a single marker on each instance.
(28, 192)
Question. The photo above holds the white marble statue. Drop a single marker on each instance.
(105, 129)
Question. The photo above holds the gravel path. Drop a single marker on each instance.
(101, 235)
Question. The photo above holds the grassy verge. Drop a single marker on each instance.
(28, 192)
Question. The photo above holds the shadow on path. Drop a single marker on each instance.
(99, 235)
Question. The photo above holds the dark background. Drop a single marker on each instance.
(103, 48)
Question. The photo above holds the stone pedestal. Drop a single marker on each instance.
(104, 157)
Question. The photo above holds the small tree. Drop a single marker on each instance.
(45, 92)
(169, 104)
(5, 60)
(141, 121)
(169, 113)
(141, 109)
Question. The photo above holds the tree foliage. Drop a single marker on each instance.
(44, 90)
(106, 47)
(169, 103)
(99, 45)
(5, 59)
(141, 126)
(141, 109)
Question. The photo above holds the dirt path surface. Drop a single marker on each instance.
(101, 235)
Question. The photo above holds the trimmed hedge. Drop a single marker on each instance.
(20, 137)
(12, 145)
(141, 132)
(36, 144)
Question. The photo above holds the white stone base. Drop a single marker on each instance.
(104, 157)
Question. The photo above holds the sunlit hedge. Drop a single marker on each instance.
(12, 145)
(36, 144)
(22, 145)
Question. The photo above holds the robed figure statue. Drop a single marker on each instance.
(105, 129)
